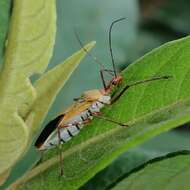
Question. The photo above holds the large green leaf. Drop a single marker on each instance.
(149, 109)
(168, 173)
(120, 167)
(30, 45)
(161, 145)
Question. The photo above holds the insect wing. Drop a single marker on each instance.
(73, 113)
(48, 131)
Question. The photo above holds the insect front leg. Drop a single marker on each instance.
(126, 87)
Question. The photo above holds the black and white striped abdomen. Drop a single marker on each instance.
(74, 125)
(96, 106)
(66, 135)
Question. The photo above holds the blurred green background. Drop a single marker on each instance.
(149, 24)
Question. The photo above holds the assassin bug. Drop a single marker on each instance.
(70, 122)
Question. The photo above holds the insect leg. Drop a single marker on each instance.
(102, 72)
(85, 121)
(97, 115)
(60, 151)
(118, 95)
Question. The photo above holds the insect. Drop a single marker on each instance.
(69, 123)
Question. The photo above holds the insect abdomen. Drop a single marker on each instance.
(47, 131)
(69, 129)
(66, 134)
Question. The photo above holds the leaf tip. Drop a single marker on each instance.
(90, 45)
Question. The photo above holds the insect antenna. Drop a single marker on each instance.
(102, 70)
(88, 53)
(110, 43)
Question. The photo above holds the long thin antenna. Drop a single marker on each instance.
(110, 44)
(88, 53)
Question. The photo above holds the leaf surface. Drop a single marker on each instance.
(30, 45)
(149, 110)
(125, 164)
(169, 173)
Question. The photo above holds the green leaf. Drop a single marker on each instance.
(167, 173)
(4, 22)
(149, 110)
(30, 45)
(159, 146)
(120, 167)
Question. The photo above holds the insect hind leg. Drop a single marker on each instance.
(60, 151)
(100, 116)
